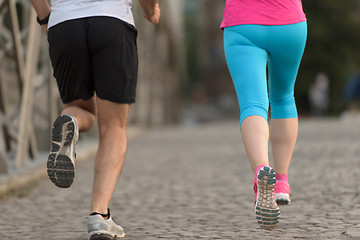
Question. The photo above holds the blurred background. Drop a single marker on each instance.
(183, 77)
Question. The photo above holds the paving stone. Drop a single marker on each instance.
(196, 183)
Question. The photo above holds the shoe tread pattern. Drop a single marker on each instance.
(267, 211)
(282, 201)
(60, 168)
(103, 236)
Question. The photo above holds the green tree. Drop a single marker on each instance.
(333, 47)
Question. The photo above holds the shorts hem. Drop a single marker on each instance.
(121, 100)
(66, 101)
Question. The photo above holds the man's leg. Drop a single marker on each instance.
(77, 115)
(83, 111)
(112, 120)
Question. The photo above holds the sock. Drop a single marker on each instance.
(105, 216)
(282, 177)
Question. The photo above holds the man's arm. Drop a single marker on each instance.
(42, 9)
(151, 10)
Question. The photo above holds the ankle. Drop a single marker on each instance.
(282, 177)
(104, 215)
(258, 168)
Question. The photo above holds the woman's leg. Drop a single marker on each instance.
(283, 134)
(247, 66)
(255, 135)
(284, 61)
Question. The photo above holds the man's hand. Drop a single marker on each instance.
(151, 10)
(45, 27)
(154, 16)
(42, 9)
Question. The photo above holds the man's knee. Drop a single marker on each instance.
(112, 115)
(112, 125)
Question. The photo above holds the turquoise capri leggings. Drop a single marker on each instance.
(250, 50)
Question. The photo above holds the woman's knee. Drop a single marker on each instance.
(283, 107)
(253, 110)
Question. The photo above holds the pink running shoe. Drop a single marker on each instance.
(282, 192)
(266, 209)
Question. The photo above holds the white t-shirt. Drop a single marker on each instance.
(63, 10)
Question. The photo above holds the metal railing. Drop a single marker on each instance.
(28, 99)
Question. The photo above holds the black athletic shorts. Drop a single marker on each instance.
(94, 55)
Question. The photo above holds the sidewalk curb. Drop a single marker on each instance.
(85, 151)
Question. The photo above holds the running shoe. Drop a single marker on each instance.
(103, 229)
(60, 164)
(282, 192)
(266, 210)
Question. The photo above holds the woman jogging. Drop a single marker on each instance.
(260, 37)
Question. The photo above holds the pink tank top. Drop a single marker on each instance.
(262, 12)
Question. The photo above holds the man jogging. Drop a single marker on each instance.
(92, 46)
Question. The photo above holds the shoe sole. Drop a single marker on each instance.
(266, 210)
(60, 168)
(282, 199)
(104, 236)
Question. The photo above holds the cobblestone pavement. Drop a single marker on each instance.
(195, 183)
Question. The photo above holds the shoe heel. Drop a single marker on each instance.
(61, 170)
